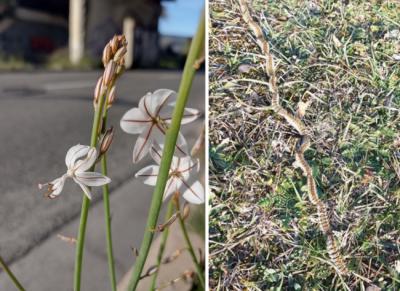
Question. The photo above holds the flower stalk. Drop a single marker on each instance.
(189, 245)
(86, 202)
(163, 243)
(107, 216)
(6, 269)
(169, 149)
(113, 63)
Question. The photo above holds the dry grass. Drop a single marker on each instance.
(263, 231)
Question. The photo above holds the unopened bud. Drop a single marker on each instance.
(98, 91)
(199, 144)
(120, 54)
(109, 73)
(111, 97)
(121, 62)
(186, 211)
(122, 40)
(106, 140)
(114, 43)
(107, 54)
(121, 68)
(175, 199)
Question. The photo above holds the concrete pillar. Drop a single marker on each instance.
(76, 30)
(101, 26)
(129, 32)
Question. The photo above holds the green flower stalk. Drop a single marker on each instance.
(163, 243)
(169, 148)
(6, 269)
(85, 204)
(113, 60)
(190, 248)
(107, 211)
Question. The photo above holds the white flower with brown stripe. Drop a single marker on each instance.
(79, 159)
(182, 177)
(150, 120)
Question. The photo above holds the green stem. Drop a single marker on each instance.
(11, 275)
(199, 270)
(86, 202)
(168, 152)
(107, 217)
(163, 243)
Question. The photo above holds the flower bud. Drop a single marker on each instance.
(106, 141)
(186, 211)
(121, 62)
(98, 91)
(109, 73)
(175, 199)
(111, 97)
(199, 144)
(122, 40)
(107, 54)
(114, 43)
(120, 54)
(120, 69)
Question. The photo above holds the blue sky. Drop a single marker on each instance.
(181, 17)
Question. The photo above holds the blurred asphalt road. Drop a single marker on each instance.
(41, 116)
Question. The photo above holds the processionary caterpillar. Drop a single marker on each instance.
(302, 146)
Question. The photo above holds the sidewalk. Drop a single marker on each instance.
(50, 265)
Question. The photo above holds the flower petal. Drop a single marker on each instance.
(152, 103)
(156, 153)
(74, 153)
(189, 115)
(166, 113)
(193, 193)
(181, 145)
(134, 121)
(143, 143)
(186, 165)
(173, 184)
(149, 175)
(92, 178)
(54, 187)
(159, 134)
(163, 97)
(144, 105)
(159, 138)
(86, 163)
(84, 188)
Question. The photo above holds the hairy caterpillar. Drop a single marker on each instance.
(335, 255)
(323, 219)
(303, 144)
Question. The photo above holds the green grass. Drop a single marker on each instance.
(263, 231)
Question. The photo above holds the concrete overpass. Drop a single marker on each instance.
(38, 27)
